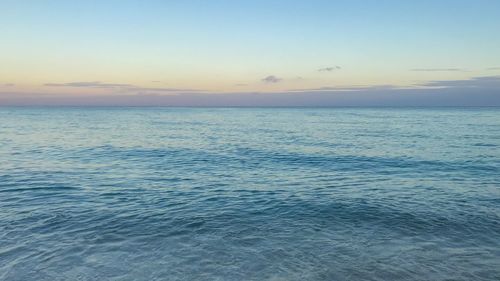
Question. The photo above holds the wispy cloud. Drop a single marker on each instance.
(119, 87)
(146, 89)
(9, 85)
(94, 84)
(329, 69)
(493, 68)
(271, 79)
(477, 91)
(436, 69)
(346, 89)
(241, 85)
(486, 82)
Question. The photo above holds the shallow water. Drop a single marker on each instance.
(249, 194)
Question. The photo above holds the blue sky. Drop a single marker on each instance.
(120, 48)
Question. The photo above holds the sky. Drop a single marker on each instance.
(250, 52)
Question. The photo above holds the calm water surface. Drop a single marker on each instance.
(249, 194)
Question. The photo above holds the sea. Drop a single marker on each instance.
(158, 193)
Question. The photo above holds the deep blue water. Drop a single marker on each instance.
(249, 194)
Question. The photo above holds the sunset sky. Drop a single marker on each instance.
(76, 51)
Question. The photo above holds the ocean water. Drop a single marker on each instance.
(249, 194)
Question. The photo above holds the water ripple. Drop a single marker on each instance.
(249, 194)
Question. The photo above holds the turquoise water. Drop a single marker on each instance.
(249, 194)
